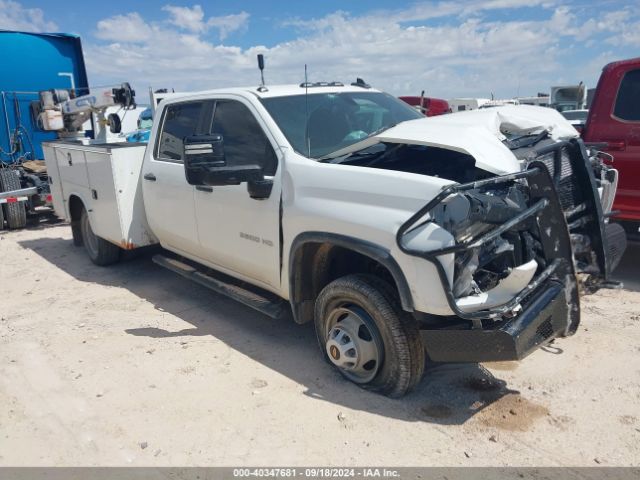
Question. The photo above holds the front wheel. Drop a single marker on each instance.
(364, 333)
(101, 252)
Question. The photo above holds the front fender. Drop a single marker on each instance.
(366, 205)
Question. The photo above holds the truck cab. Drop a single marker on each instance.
(398, 236)
(614, 124)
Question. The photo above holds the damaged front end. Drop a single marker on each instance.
(586, 187)
(514, 282)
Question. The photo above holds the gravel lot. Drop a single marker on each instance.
(133, 365)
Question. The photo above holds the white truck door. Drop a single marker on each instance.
(168, 198)
(237, 232)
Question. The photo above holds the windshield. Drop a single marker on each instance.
(335, 120)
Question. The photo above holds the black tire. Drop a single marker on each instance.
(16, 213)
(402, 356)
(100, 251)
(1, 218)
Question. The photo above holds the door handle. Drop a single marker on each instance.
(204, 189)
(149, 176)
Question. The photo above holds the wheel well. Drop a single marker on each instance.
(75, 212)
(315, 264)
(75, 208)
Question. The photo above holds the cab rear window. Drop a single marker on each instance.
(628, 102)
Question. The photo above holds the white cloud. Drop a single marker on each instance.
(624, 32)
(467, 53)
(229, 23)
(124, 28)
(13, 16)
(191, 19)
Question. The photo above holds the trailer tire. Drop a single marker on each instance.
(100, 251)
(365, 334)
(1, 218)
(16, 213)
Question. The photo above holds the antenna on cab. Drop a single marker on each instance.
(261, 88)
(306, 106)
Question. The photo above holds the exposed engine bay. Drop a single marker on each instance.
(503, 240)
(493, 271)
(470, 214)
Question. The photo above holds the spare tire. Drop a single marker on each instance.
(16, 213)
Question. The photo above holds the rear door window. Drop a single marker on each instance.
(628, 101)
(181, 120)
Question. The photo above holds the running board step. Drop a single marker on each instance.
(266, 302)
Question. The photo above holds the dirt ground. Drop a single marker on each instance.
(134, 365)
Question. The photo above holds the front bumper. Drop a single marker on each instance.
(548, 307)
(542, 319)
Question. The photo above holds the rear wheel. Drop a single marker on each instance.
(101, 252)
(15, 213)
(364, 333)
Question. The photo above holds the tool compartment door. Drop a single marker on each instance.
(126, 165)
(72, 166)
(103, 204)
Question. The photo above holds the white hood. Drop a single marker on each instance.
(478, 133)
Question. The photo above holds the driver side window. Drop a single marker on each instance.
(245, 143)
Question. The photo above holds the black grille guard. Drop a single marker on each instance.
(570, 168)
(553, 232)
(578, 194)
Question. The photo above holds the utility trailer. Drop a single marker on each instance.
(12, 202)
(23, 190)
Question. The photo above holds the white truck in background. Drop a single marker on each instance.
(466, 104)
(568, 97)
(459, 236)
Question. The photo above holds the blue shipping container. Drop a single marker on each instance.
(31, 62)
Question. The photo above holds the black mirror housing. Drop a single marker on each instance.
(202, 153)
(205, 163)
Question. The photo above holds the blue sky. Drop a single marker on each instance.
(448, 48)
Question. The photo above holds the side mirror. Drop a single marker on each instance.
(205, 163)
(202, 153)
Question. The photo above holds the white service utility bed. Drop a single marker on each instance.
(106, 178)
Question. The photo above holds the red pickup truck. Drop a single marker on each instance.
(427, 105)
(614, 122)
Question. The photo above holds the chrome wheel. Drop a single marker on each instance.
(353, 343)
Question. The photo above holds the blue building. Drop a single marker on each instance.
(31, 62)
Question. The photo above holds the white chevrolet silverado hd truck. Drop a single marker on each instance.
(457, 238)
